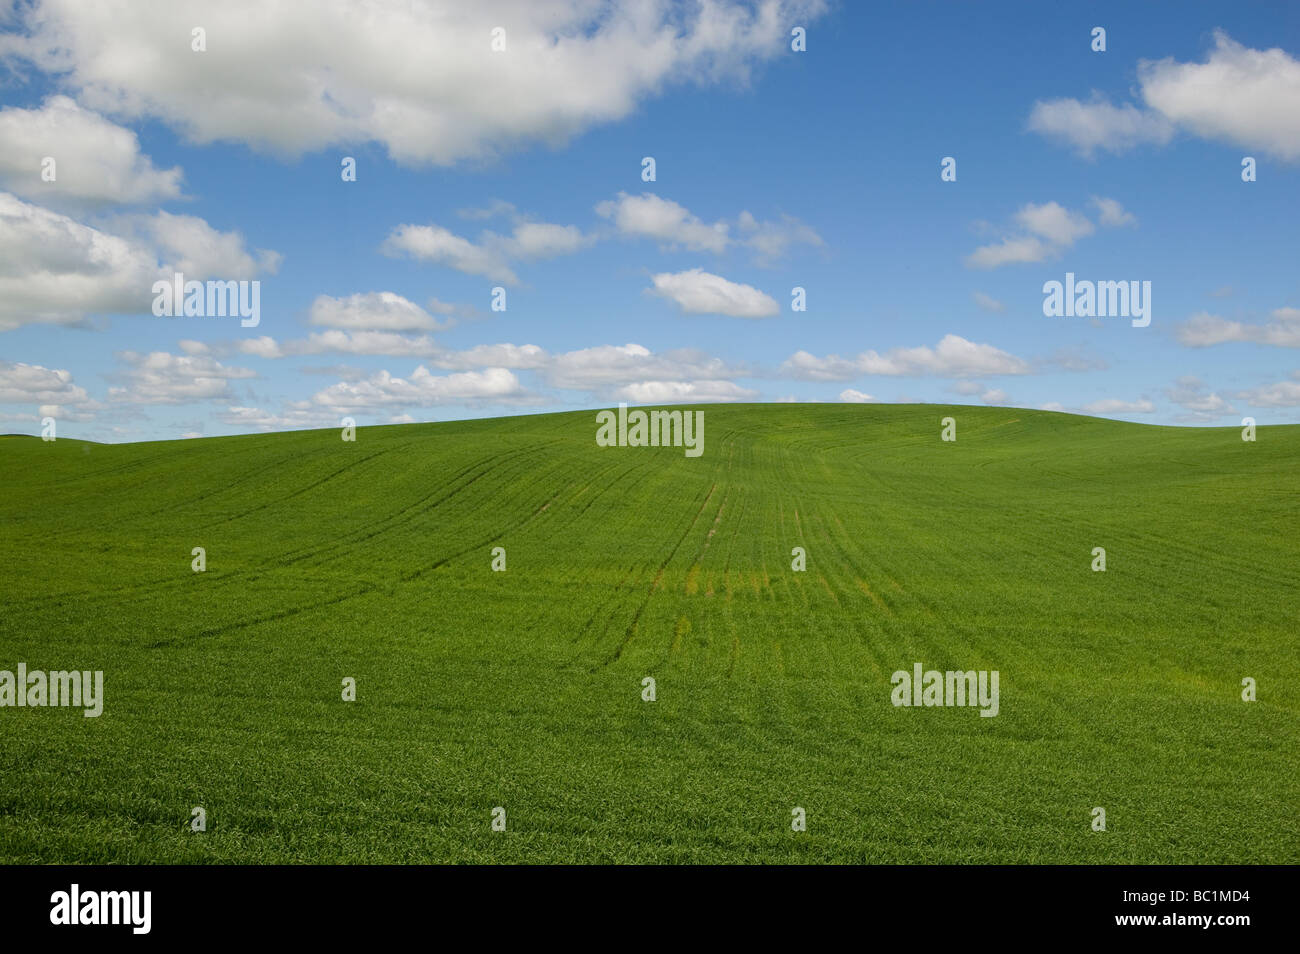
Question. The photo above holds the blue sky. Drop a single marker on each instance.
(521, 169)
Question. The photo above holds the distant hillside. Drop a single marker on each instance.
(523, 689)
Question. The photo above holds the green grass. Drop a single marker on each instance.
(522, 689)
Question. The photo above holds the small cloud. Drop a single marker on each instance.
(988, 303)
(1112, 214)
(1117, 406)
(697, 292)
(1203, 330)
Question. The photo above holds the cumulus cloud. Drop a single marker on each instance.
(194, 247)
(1111, 213)
(697, 292)
(96, 161)
(1055, 223)
(1281, 394)
(56, 270)
(1044, 231)
(990, 396)
(850, 396)
(296, 415)
(423, 388)
(419, 78)
(771, 240)
(51, 389)
(684, 392)
(537, 240)
(1239, 95)
(675, 227)
(1203, 330)
(1098, 124)
(1117, 406)
(371, 311)
(952, 357)
(649, 216)
(435, 244)
(162, 378)
(1009, 251)
(606, 366)
(492, 254)
(1194, 396)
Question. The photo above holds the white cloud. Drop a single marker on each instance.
(697, 292)
(1009, 251)
(263, 346)
(850, 396)
(1098, 124)
(1239, 95)
(988, 302)
(527, 356)
(1247, 97)
(1280, 394)
(296, 415)
(194, 247)
(371, 311)
(55, 270)
(423, 389)
(1192, 394)
(771, 240)
(537, 240)
(1051, 229)
(606, 366)
(1204, 329)
(985, 393)
(162, 378)
(419, 78)
(649, 216)
(35, 384)
(1117, 406)
(96, 161)
(1111, 213)
(1055, 223)
(953, 357)
(433, 243)
(683, 392)
(492, 254)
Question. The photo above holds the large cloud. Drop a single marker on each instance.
(96, 161)
(56, 270)
(419, 77)
(1247, 97)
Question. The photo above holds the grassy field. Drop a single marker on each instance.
(522, 689)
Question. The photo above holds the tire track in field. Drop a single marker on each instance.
(363, 590)
(239, 577)
(297, 493)
(630, 632)
(646, 471)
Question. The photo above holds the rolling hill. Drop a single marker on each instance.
(523, 688)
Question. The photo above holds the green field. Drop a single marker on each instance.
(522, 689)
